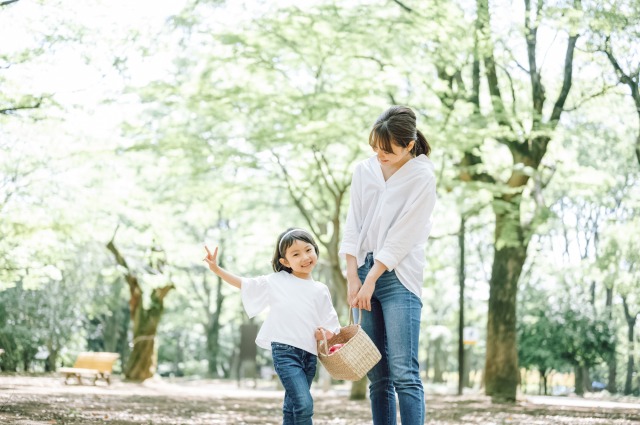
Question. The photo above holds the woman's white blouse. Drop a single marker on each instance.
(297, 308)
(392, 218)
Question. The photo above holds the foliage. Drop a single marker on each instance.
(224, 127)
(563, 332)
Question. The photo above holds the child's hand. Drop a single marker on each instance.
(320, 337)
(212, 259)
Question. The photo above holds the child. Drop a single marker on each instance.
(301, 309)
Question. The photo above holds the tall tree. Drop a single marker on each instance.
(527, 146)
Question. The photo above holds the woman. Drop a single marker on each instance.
(393, 194)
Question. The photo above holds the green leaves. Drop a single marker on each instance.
(563, 331)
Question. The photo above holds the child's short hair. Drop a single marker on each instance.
(285, 240)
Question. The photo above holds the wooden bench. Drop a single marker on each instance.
(95, 365)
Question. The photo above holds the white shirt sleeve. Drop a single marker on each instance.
(354, 217)
(328, 313)
(255, 294)
(412, 226)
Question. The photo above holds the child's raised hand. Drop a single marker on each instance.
(212, 259)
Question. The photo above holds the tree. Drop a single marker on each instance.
(620, 262)
(615, 33)
(538, 343)
(527, 146)
(560, 330)
(141, 364)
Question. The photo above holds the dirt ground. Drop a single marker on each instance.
(46, 400)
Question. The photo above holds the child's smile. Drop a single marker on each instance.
(301, 258)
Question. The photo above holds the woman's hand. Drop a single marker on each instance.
(212, 260)
(363, 298)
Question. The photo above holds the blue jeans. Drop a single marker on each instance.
(393, 324)
(295, 368)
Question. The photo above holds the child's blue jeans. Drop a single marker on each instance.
(394, 326)
(295, 368)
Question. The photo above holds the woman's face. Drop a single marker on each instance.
(396, 159)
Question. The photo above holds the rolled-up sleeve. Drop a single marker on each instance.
(410, 229)
(255, 295)
(354, 217)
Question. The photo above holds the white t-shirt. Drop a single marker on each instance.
(298, 307)
(392, 218)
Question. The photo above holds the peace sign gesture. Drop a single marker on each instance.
(212, 259)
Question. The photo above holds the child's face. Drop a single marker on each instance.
(301, 258)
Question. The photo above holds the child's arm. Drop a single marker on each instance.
(212, 261)
(319, 336)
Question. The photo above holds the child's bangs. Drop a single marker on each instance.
(381, 138)
(290, 237)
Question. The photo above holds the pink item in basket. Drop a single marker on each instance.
(335, 348)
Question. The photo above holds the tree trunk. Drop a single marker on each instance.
(52, 359)
(466, 381)
(213, 332)
(501, 365)
(142, 361)
(587, 379)
(613, 360)
(141, 364)
(461, 279)
(628, 383)
(544, 375)
(339, 283)
(582, 381)
(27, 355)
(631, 323)
(439, 360)
(359, 389)
(579, 380)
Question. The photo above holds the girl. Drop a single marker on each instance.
(300, 308)
(393, 194)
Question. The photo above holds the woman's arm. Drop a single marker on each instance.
(353, 280)
(353, 224)
(212, 261)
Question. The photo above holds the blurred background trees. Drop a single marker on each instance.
(226, 122)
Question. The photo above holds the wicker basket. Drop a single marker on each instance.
(355, 358)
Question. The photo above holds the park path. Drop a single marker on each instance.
(45, 400)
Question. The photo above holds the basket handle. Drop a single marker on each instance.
(326, 344)
(351, 322)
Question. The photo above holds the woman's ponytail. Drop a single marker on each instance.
(421, 146)
(398, 125)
